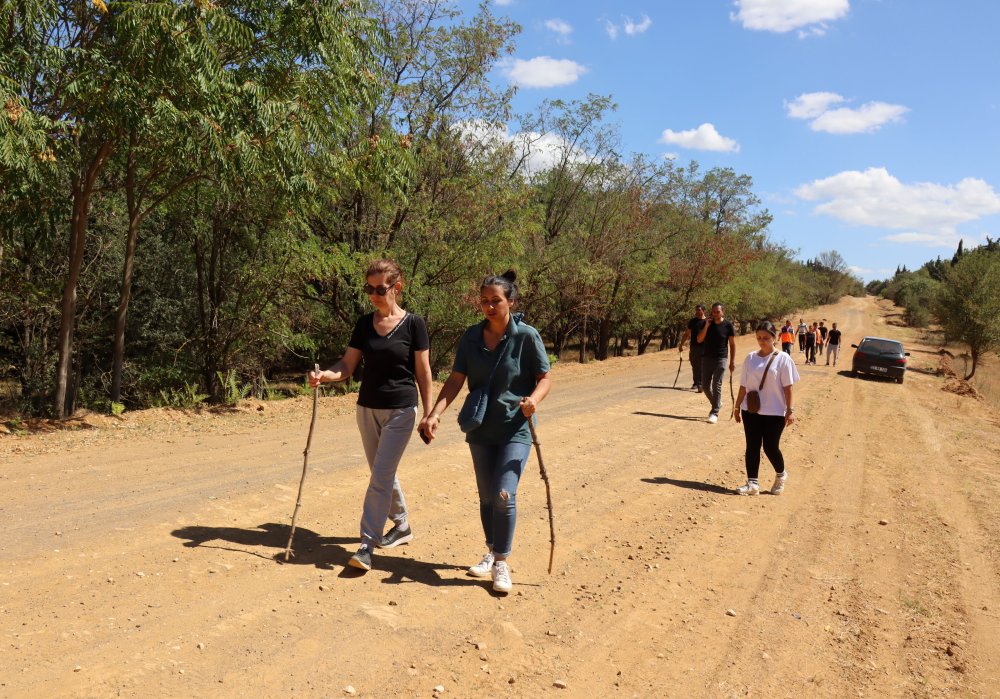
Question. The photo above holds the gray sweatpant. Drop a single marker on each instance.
(384, 435)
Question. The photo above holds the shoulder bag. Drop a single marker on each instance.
(474, 409)
(753, 397)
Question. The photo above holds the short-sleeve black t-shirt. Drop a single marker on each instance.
(388, 379)
(834, 337)
(716, 342)
(695, 325)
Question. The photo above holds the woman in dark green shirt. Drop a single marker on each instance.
(505, 358)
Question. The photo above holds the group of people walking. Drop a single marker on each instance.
(812, 340)
(505, 363)
(764, 405)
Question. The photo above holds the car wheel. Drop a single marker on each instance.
(854, 373)
(900, 379)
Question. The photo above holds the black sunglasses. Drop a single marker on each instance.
(380, 290)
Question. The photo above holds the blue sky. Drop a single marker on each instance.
(871, 127)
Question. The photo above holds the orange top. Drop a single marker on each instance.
(788, 336)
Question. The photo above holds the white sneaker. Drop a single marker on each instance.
(501, 577)
(779, 483)
(484, 567)
(751, 488)
(713, 418)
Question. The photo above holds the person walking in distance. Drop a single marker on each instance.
(787, 337)
(770, 374)
(718, 343)
(811, 334)
(832, 345)
(694, 355)
(823, 330)
(505, 362)
(801, 331)
(394, 348)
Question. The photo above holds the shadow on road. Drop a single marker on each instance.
(691, 485)
(668, 388)
(672, 417)
(323, 552)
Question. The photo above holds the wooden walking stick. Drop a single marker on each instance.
(680, 364)
(548, 492)
(732, 396)
(305, 466)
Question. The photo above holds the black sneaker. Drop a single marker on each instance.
(396, 536)
(362, 559)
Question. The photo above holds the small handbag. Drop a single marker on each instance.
(753, 397)
(474, 409)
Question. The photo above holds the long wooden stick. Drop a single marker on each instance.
(732, 396)
(548, 492)
(680, 364)
(305, 466)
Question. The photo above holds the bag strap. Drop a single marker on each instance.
(764, 377)
(500, 348)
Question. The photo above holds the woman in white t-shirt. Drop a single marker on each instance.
(764, 428)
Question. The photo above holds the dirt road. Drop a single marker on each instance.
(139, 558)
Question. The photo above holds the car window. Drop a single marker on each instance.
(881, 347)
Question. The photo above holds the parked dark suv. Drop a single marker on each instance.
(876, 355)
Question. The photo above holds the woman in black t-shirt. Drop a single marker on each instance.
(394, 347)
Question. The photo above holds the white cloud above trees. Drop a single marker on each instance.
(705, 137)
(561, 27)
(924, 213)
(542, 71)
(810, 17)
(628, 25)
(819, 108)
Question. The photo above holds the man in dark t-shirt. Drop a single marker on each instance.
(832, 345)
(694, 355)
(718, 342)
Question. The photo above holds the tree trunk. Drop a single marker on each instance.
(583, 341)
(134, 218)
(83, 188)
(975, 361)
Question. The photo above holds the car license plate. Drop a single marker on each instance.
(880, 368)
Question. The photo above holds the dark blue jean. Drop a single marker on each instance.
(498, 470)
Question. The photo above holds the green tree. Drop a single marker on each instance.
(968, 304)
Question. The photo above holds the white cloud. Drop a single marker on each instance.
(869, 273)
(786, 15)
(612, 29)
(560, 27)
(504, 3)
(705, 137)
(633, 28)
(927, 240)
(842, 120)
(927, 213)
(810, 105)
(542, 71)
(865, 119)
(539, 152)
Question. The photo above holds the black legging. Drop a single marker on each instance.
(811, 351)
(763, 430)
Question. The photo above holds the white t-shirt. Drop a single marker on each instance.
(781, 373)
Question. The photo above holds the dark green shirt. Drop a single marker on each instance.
(521, 356)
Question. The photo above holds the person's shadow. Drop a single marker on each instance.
(691, 485)
(668, 388)
(309, 548)
(672, 417)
